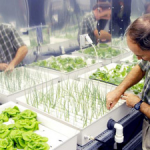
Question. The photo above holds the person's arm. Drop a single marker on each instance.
(21, 53)
(104, 35)
(135, 75)
(3, 66)
(145, 109)
(132, 99)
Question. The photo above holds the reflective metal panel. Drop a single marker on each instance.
(14, 12)
(125, 12)
(63, 18)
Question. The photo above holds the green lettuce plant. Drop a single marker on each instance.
(6, 144)
(11, 112)
(27, 124)
(116, 75)
(67, 64)
(26, 114)
(3, 118)
(31, 137)
(22, 138)
(19, 134)
(107, 52)
(37, 146)
(16, 137)
(4, 132)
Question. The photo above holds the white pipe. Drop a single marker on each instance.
(91, 42)
(119, 133)
(88, 39)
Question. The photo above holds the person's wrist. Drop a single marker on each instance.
(12, 63)
(119, 91)
(137, 106)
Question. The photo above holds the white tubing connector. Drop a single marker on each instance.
(119, 133)
(88, 39)
(88, 137)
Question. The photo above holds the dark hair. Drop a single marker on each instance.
(103, 5)
(139, 32)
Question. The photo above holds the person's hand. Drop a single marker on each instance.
(3, 66)
(131, 99)
(104, 35)
(9, 68)
(112, 98)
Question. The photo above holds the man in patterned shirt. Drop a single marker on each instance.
(12, 48)
(138, 40)
(89, 23)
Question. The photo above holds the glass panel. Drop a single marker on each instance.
(14, 12)
(61, 20)
(125, 12)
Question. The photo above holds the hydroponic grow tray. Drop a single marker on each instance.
(61, 137)
(81, 105)
(109, 67)
(22, 79)
(105, 61)
(113, 74)
(130, 60)
(91, 64)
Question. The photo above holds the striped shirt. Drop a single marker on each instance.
(10, 42)
(87, 26)
(145, 66)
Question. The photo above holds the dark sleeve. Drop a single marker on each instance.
(144, 65)
(92, 23)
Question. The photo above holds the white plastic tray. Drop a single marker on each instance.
(93, 128)
(105, 61)
(23, 79)
(129, 60)
(61, 137)
(74, 74)
(88, 74)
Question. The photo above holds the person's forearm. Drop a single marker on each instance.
(145, 109)
(135, 75)
(21, 53)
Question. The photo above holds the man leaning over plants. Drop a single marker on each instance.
(89, 23)
(138, 40)
(12, 48)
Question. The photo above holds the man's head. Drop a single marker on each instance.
(138, 37)
(101, 9)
